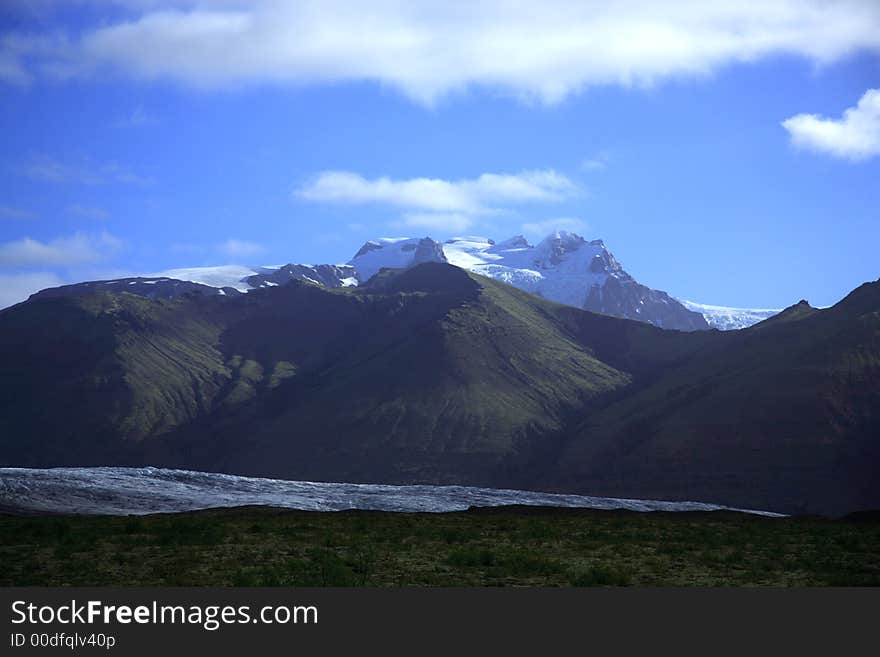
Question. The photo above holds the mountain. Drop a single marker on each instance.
(564, 267)
(437, 375)
(725, 318)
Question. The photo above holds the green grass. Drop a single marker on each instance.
(506, 547)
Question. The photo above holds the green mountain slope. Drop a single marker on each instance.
(441, 377)
(84, 378)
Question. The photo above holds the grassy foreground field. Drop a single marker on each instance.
(511, 546)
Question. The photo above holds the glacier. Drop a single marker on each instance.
(725, 318)
(140, 491)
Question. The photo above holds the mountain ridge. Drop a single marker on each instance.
(563, 267)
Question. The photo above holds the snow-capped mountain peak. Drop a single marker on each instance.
(556, 245)
(566, 268)
(515, 242)
(395, 253)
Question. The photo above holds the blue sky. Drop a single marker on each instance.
(726, 155)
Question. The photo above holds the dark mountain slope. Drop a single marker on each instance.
(86, 376)
(785, 414)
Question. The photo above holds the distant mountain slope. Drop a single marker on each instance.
(326, 275)
(436, 375)
(725, 318)
(244, 279)
(149, 287)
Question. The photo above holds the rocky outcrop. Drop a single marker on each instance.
(326, 275)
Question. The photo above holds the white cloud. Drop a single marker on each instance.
(438, 204)
(187, 248)
(542, 228)
(481, 195)
(79, 249)
(597, 162)
(432, 48)
(89, 212)
(47, 169)
(119, 174)
(593, 165)
(137, 118)
(233, 248)
(7, 212)
(240, 248)
(18, 287)
(447, 222)
(347, 187)
(855, 136)
(17, 49)
(11, 69)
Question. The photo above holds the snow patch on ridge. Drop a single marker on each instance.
(224, 276)
(726, 318)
